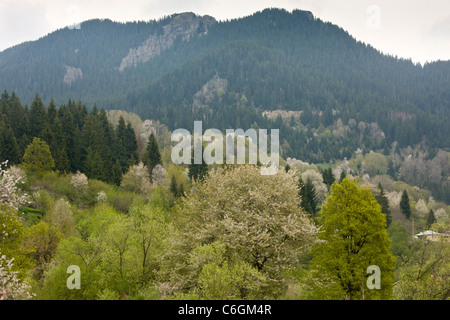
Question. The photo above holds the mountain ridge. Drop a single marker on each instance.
(270, 60)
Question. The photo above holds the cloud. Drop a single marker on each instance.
(441, 29)
(21, 21)
(408, 28)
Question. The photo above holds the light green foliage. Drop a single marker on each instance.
(426, 275)
(117, 254)
(401, 246)
(353, 238)
(37, 158)
(61, 216)
(258, 222)
(375, 163)
(11, 232)
(220, 278)
(40, 244)
(137, 180)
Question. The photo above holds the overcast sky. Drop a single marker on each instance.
(416, 29)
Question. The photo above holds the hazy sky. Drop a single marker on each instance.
(416, 29)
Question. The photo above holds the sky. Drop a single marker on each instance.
(413, 29)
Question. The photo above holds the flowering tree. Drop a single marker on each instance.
(11, 287)
(10, 179)
(257, 219)
(79, 181)
(137, 179)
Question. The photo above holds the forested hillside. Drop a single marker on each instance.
(87, 181)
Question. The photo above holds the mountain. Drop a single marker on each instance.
(327, 93)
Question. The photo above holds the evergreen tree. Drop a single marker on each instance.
(121, 145)
(70, 134)
(308, 197)
(181, 191)
(431, 218)
(343, 176)
(117, 173)
(197, 172)
(328, 177)
(38, 117)
(9, 149)
(405, 205)
(173, 187)
(287, 167)
(383, 201)
(152, 156)
(131, 146)
(58, 149)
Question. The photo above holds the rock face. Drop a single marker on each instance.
(214, 86)
(184, 25)
(72, 74)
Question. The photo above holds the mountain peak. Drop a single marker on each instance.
(183, 25)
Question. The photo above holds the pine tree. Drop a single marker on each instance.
(152, 156)
(383, 201)
(405, 205)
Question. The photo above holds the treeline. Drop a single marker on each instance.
(79, 140)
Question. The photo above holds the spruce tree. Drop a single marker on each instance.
(431, 218)
(117, 173)
(383, 201)
(405, 205)
(343, 176)
(38, 117)
(152, 156)
(197, 172)
(131, 146)
(121, 145)
(328, 177)
(308, 197)
(9, 149)
(173, 187)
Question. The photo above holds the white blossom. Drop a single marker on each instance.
(11, 287)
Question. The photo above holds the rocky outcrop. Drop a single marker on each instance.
(184, 25)
(72, 74)
(215, 86)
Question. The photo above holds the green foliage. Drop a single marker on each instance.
(425, 276)
(197, 171)
(247, 214)
(354, 237)
(308, 197)
(430, 218)
(37, 159)
(405, 206)
(401, 246)
(152, 156)
(383, 201)
(328, 177)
